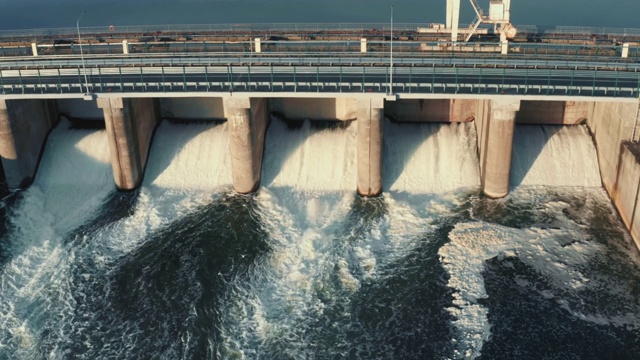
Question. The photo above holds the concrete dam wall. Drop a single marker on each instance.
(497, 123)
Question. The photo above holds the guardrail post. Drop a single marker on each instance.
(504, 47)
(625, 50)
(258, 46)
(34, 49)
(363, 45)
(125, 47)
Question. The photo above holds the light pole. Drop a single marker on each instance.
(391, 57)
(84, 68)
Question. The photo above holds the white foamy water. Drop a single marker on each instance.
(308, 179)
(430, 158)
(190, 157)
(321, 254)
(72, 183)
(561, 254)
(189, 165)
(188, 168)
(309, 159)
(552, 155)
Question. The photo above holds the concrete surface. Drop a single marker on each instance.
(370, 142)
(495, 141)
(193, 108)
(248, 120)
(432, 110)
(553, 112)
(315, 108)
(625, 194)
(130, 124)
(24, 126)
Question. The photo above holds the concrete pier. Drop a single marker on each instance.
(495, 125)
(24, 126)
(130, 124)
(248, 119)
(626, 191)
(370, 115)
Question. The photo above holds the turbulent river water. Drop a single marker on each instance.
(183, 268)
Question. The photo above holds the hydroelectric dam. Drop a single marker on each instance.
(132, 85)
(478, 158)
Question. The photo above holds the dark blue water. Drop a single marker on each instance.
(64, 13)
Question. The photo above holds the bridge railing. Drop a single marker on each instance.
(303, 48)
(321, 79)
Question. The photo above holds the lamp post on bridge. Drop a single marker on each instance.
(87, 94)
(391, 57)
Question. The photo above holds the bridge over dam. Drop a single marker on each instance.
(133, 82)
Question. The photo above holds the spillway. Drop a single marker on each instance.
(552, 155)
(313, 157)
(305, 268)
(430, 158)
(72, 184)
(191, 156)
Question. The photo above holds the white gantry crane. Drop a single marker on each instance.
(499, 15)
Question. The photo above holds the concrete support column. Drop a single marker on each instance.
(248, 119)
(495, 136)
(125, 47)
(370, 114)
(34, 49)
(625, 50)
(504, 47)
(453, 18)
(24, 126)
(258, 46)
(363, 45)
(130, 124)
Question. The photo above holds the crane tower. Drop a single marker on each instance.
(499, 15)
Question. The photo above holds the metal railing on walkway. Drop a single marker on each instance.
(322, 79)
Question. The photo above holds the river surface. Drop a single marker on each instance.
(305, 269)
(26, 14)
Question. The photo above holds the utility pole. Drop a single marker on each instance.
(84, 68)
(391, 57)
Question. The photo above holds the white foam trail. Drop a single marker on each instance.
(309, 178)
(189, 167)
(559, 254)
(554, 156)
(430, 158)
(309, 186)
(73, 181)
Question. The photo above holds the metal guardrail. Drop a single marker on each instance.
(414, 48)
(322, 78)
(337, 59)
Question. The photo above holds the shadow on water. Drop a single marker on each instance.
(528, 310)
(167, 291)
(528, 325)
(403, 315)
(398, 314)
(528, 143)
